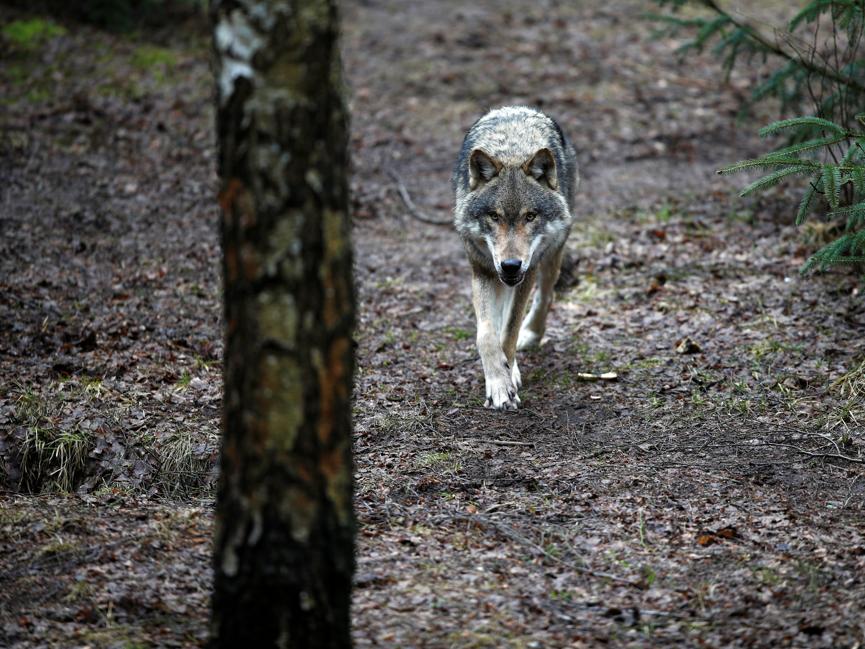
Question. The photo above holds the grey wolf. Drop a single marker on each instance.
(514, 181)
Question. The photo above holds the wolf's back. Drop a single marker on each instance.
(512, 135)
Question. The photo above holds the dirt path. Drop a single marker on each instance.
(666, 508)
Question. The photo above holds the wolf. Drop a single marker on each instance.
(514, 182)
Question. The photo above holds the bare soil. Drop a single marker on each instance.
(697, 500)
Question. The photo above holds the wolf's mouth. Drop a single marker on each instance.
(512, 280)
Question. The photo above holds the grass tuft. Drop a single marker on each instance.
(851, 388)
(54, 449)
(185, 464)
(56, 458)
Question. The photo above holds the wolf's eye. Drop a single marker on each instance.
(494, 216)
(530, 216)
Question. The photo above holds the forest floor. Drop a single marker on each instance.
(691, 502)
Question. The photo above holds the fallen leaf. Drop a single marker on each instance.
(727, 533)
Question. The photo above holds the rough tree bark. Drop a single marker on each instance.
(284, 539)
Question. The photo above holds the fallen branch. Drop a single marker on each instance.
(409, 203)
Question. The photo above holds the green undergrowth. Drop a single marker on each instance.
(45, 62)
(159, 62)
(30, 34)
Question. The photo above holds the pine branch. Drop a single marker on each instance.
(828, 152)
(855, 215)
(809, 64)
(807, 145)
(846, 250)
(857, 176)
(773, 179)
(769, 161)
(832, 185)
(807, 199)
(797, 122)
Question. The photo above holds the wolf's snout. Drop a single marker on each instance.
(511, 271)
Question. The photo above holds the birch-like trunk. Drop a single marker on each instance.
(284, 535)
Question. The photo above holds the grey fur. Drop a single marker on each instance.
(513, 134)
(515, 180)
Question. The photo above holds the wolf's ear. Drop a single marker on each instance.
(482, 168)
(542, 167)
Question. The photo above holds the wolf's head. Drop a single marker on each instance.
(513, 212)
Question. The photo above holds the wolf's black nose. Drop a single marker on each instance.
(511, 266)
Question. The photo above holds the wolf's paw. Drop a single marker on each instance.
(501, 394)
(528, 339)
(516, 379)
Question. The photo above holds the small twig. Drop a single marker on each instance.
(409, 203)
(497, 506)
(832, 456)
(508, 442)
(606, 376)
(850, 491)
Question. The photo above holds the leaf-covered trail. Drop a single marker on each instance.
(656, 510)
(667, 508)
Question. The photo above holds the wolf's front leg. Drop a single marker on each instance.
(536, 321)
(499, 309)
(512, 318)
(487, 296)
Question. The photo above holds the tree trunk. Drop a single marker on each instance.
(284, 536)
